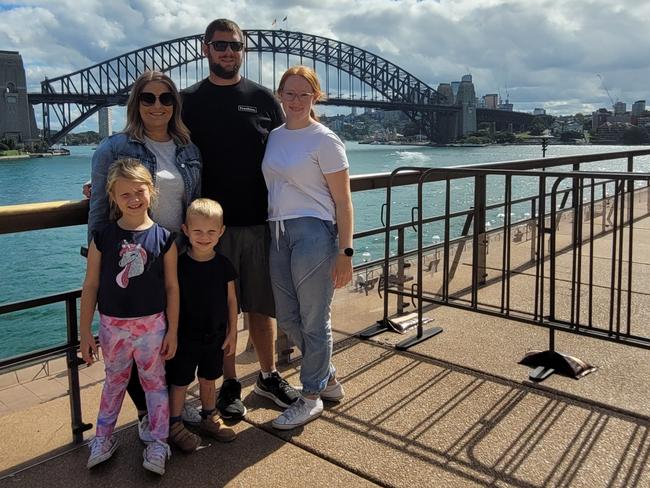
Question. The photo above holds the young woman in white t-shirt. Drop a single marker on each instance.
(311, 220)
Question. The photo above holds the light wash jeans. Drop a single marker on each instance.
(303, 252)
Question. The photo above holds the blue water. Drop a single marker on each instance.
(45, 262)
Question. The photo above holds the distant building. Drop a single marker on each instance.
(467, 78)
(599, 117)
(539, 111)
(507, 106)
(638, 107)
(454, 89)
(354, 111)
(17, 119)
(611, 132)
(620, 108)
(491, 100)
(105, 117)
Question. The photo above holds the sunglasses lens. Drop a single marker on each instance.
(147, 98)
(220, 45)
(223, 45)
(236, 46)
(166, 99)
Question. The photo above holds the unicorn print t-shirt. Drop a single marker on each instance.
(132, 281)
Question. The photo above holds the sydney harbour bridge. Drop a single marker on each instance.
(350, 77)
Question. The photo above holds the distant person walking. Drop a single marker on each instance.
(311, 223)
(230, 118)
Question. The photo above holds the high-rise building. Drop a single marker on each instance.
(454, 89)
(17, 119)
(620, 108)
(491, 100)
(105, 122)
(539, 111)
(638, 108)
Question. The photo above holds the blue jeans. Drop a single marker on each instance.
(303, 251)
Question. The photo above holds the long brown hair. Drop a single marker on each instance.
(134, 126)
(311, 77)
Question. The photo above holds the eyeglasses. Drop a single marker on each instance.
(148, 99)
(290, 96)
(221, 46)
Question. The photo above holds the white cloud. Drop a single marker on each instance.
(547, 53)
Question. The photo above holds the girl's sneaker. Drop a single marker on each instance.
(101, 449)
(333, 392)
(299, 413)
(155, 456)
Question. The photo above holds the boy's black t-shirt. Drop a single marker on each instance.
(204, 296)
(132, 278)
(230, 125)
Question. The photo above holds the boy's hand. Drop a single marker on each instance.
(168, 349)
(88, 348)
(230, 345)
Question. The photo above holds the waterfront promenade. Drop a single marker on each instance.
(454, 411)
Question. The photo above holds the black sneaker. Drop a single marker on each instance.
(277, 389)
(229, 402)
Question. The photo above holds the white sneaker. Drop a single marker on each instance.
(144, 430)
(191, 415)
(155, 456)
(299, 413)
(101, 449)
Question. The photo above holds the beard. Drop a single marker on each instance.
(226, 74)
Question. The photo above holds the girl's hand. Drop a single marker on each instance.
(342, 271)
(168, 349)
(229, 345)
(88, 348)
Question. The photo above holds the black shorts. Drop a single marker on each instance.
(196, 358)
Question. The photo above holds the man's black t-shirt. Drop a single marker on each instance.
(230, 125)
(204, 297)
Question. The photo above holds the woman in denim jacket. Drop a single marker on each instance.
(156, 135)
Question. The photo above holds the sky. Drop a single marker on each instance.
(539, 53)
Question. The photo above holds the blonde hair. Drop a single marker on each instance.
(130, 169)
(311, 77)
(134, 125)
(204, 207)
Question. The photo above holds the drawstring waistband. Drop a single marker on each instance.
(279, 226)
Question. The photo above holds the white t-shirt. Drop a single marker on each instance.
(294, 164)
(168, 208)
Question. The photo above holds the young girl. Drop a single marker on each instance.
(131, 276)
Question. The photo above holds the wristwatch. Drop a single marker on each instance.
(348, 251)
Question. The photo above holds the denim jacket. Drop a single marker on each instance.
(117, 146)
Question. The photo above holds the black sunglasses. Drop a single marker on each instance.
(223, 45)
(148, 99)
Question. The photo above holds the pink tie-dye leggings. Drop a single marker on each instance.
(123, 341)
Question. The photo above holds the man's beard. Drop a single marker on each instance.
(226, 74)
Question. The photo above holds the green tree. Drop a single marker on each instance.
(570, 135)
(636, 135)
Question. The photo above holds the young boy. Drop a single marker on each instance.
(207, 324)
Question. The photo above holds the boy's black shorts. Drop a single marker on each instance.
(196, 358)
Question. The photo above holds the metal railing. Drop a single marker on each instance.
(21, 218)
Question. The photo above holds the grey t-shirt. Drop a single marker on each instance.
(168, 208)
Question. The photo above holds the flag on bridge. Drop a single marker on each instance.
(285, 19)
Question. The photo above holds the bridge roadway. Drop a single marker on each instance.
(455, 411)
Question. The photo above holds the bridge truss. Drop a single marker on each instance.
(350, 75)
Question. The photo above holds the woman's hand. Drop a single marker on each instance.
(342, 271)
(168, 348)
(88, 348)
(230, 344)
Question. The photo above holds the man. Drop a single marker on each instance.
(230, 118)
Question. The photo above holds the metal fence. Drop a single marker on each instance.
(474, 236)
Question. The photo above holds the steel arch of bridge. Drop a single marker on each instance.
(108, 83)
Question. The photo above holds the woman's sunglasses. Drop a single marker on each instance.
(148, 99)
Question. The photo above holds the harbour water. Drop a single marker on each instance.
(45, 262)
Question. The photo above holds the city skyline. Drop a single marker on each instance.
(556, 55)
